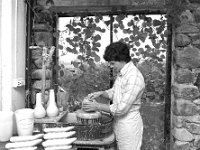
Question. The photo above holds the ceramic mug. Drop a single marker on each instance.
(24, 121)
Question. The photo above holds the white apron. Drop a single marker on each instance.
(128, 131)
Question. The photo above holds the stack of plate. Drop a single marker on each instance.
(24, 142)
(59, 138)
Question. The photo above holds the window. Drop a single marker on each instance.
(81, 46)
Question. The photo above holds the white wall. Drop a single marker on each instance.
(0, 58)
(12, 50)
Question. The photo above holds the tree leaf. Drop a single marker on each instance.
(60, 47)
(97, 58)
(137, 44)
(156, 22)
(97, 37)
(97, 44)
(62, 73)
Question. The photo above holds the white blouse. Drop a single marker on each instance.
(127, 90)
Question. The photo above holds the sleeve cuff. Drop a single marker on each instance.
(112, 109)
(109, 92)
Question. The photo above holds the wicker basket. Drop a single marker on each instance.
(85, 132)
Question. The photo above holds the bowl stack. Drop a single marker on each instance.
(29, 142)
(58, 138)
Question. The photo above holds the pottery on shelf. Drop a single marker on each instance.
(39, 111)
(52, 109)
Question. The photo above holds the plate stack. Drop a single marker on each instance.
(29, 142)
(58, 138)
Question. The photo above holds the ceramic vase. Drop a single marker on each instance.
(52, 109)
(39, 111)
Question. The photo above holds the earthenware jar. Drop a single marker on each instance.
(39, 111)
(52, 109)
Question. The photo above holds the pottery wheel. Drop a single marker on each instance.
(88, 117)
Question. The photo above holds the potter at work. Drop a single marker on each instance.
(126, 97)
(88, 117)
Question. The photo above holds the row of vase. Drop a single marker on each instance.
(51, 109)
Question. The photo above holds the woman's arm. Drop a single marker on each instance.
(105, 94)
(95, 106)
(108, 94)
(103, 107)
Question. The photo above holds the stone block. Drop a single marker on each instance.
(36, 53)
(182, 134)
(196, 101)
(42, 27)
(182, 40)
(193, 128)
(177, 121)
(43, 38)
(186, 17)
(196, 141)
(184, 76)
(196, 43)
(194, 36)
(38, 63)
(197, 15)
(187, 28)
(185, 91)
(188, 57)
(180, 145)
(38, 74)
(38, 84)
(184, 108)
(192, 119)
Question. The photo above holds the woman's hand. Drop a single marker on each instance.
(95, 94)
(91, 105)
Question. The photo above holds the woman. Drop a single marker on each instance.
(126, 95)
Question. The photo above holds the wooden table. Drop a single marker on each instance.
(107, 143)
(2, 145)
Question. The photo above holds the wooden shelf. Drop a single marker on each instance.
(51, 119)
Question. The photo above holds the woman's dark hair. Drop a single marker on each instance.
(117, 51)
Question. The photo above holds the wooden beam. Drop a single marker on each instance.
(105, 2)
(110, 10)
(65, 6)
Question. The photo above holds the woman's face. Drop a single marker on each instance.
(117, 65)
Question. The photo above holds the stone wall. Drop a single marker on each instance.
(42, 38)
(186, 81)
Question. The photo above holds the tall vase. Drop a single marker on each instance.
(39, 111)
(52, 109)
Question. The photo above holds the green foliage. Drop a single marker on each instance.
(85, 42)
(86, 36)
(79, 83)
(154, 75)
